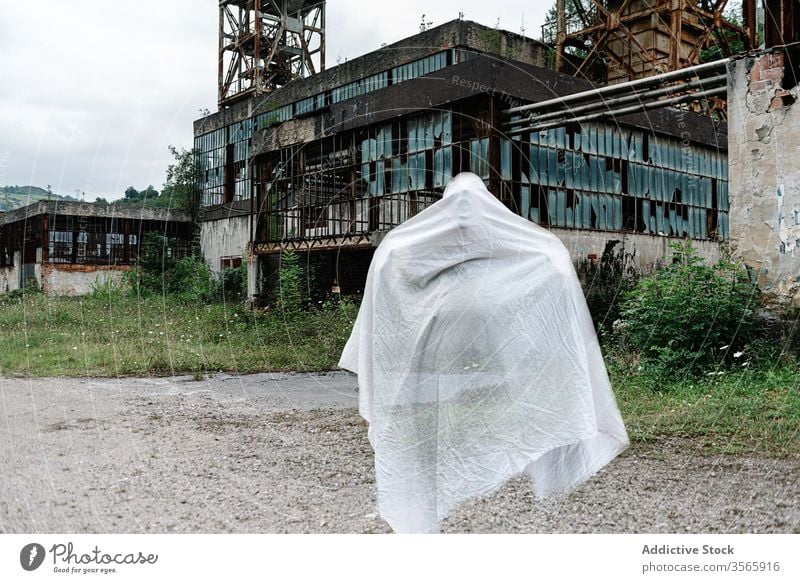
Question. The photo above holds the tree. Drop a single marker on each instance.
(148, 193)
(572, 9)
(180, 189)
(131, 194)
(736, 42)
(100, 200)
(575, 11)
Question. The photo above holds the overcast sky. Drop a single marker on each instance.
(93, 91)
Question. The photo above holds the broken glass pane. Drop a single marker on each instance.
(617, 212)
(379, 153)
(525, 201)
(505, 159)
(586, 203)
(412, 136)
(438, 168)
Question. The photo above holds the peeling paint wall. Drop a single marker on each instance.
(226, 237)
(9, 276)
(63, 279)
(78, 280)
(764, 174)
(9, 279)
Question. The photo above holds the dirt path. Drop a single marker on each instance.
(289, 453)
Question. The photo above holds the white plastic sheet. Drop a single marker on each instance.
(477, 361)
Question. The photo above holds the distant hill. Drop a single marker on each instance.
(12, 197)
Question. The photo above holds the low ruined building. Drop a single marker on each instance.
(67, 248)
(328, 164)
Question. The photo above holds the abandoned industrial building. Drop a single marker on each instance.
(69, 247)
(613, 131)
(331, 161)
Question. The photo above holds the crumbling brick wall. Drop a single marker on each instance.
(764, 173)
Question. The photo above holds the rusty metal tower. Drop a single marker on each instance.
(623, 40)
(264, 44)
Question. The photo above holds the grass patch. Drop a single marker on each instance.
(123, 335)
(729, 411)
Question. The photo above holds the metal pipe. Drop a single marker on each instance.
(623, 111)
(620, 88)
(707, 83)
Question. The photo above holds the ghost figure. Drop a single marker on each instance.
(477, 361)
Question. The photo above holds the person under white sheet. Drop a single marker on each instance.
(477, 361)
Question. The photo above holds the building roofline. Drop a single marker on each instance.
(92, 209)
(457, 33)
(511, 82)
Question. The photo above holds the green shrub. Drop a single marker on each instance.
(231, 284)
(688, 316)
(154, 263)
(158, 272)
(190, 279)
(291, 292)
(30, 288)
(107, 289)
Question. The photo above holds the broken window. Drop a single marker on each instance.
(686, 183)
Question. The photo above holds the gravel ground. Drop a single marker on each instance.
(289, 453)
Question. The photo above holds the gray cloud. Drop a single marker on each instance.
(94, 96)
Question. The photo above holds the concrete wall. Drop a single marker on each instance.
(9, 279)
(9, 276)
(644, 253)
(76, 280)
(90, 209)
(226, 237)
(63, 279)
(764, 172)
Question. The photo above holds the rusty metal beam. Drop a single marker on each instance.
(611, 34)
(361, 241)
(561, 32)
(713, 23)
(264, 44)
(750, 24)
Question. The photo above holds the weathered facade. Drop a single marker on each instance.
(67, 248)
(330, 163)
(764, 119)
